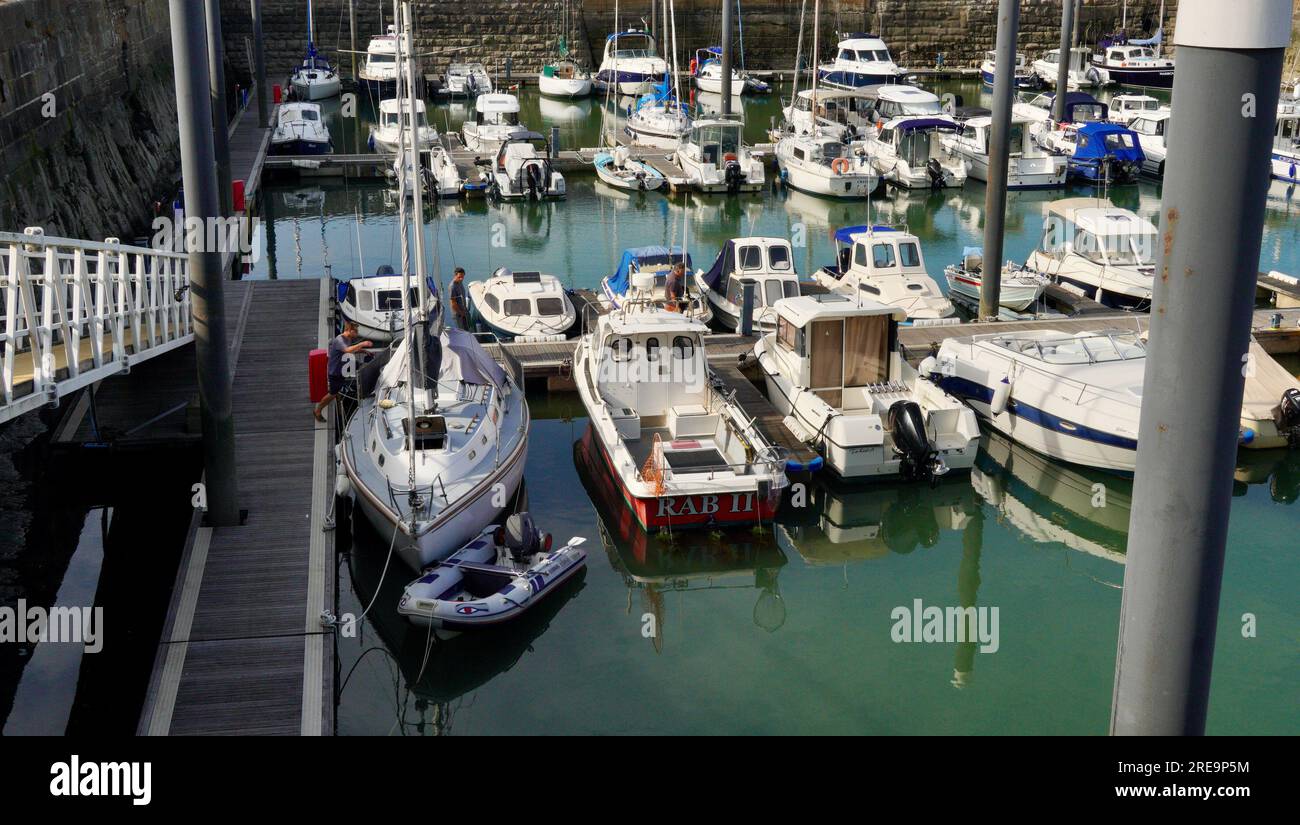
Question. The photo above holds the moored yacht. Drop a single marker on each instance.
(1152, 131)
(467, 80)
(822, 164)
(706, 68)
(682, 453)
(314, 78)
(300, 130)
(522, 170)
(1135, 65)
(715, 159)
(375, 303)
(838, 111)
(641, 280)
(884, 264)
(833, 368)
(1286, 142)
(1081, 74)
(1019, 288)
(378, 74)
(1026, 79)
(496, 120)
(860, 60)
(564, 78)
(659, 119)
(1104, 252)
(395, 117)
(1123, 108)
(631, 63)
(908, 153)
(769, 262)
(1029, 166)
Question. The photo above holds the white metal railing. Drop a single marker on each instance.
(121, 304)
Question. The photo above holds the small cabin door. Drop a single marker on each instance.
(826, 346)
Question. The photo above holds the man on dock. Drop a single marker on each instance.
(343, 345)
(458, 307)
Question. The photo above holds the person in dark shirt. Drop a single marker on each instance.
(341, 346)
(457, 294)
(675, 284)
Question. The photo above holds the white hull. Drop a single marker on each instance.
(564, 86)
(713, 85)
(316, 89)
(829, 185)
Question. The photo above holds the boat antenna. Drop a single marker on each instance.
(817, 22)
(677, 92)
(360, 254)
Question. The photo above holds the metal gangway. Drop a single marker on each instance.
(76, 312)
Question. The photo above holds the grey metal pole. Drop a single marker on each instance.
(352, 33)
(259, 68)
(194, 113)
(1228, 62)
(747, 287)
(1063, 68)
(220, 126)
(726, 57)
(995, 193)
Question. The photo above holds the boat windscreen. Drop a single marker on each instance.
(1085, 348)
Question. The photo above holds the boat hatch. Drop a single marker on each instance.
(527, 277)
(430, 431)
(692, 458)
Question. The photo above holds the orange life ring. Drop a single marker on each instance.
(840, 165)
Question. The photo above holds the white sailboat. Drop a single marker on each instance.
(315, 78)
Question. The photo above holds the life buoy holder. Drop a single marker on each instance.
(840, 165)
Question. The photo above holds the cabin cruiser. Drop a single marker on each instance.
(1082, 74)
(394, 118)
(619, 169)
(467, 80)
(564, 78)
(706, 68)
(682, 452)
(431, 168)
(1152, 132)
(631, 63)
(1100, 250)
(901, 101)
(769, 262)
(1019, 289)
(659, 119)
(522, 306)
(860, 60)
(839, 112)
(641, 280)
(908, 153)
(374, 302)
(822, 164)
(1123, 108)
(300, 130)
(1029, 165)
(1080, 108)
(314, 78)
(883, 263)
(1026, 79)
(378, 74)
(715, 159)
(1100, 152)
(1135, 65)
(833, 369)
(496, 119)
(1286, 143)
(522, 170)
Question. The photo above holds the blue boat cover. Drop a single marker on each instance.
(722, 267)
(927, 123)
(643, 256)
(845, 234)
(1093, 143)
(1073, 99)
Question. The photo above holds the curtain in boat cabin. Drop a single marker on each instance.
(866, 345)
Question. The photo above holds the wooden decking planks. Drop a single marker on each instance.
(766, 417)
(243, 651)
(249, 145)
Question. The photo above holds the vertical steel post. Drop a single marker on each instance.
(220, 126)
(194, 113)
(1063, 68)
(747, 289)
(995, 192)
(1229, 68)
(259, 68)
(726, 57)
(352, 33)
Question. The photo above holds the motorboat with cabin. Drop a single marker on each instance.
(1100, 152)
(884, 264)
(1123, 108)
(821, 163)
(1152, 132)
(899, 100)
(706, 68)
(314, 78)
(620, 170)
(378, 73)
(1286, 142)
(908, 153)
(1029, 165)
(374, 303)
(564, 78)
(1099, 250)
(1080, 108)
(300, 130)
(432, 168)
(682, 452)
(1135, 65)
(839, 112)
(497, 577)
(1082, 74)
(522, 170)
(1026, 78)
(1019, 288)
(768, 262)
(834, 370)
(522, 306)
(466, 80)
(631, 63)
(395, 118)
(641, 281)
(496, 120)
(715, 159)
(860, 60)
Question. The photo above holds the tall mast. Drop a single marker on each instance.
(817, 30)
(798, 58)
(399, 42)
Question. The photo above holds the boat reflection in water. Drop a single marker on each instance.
(840, 522)
(436, 673)
(685, 560)
(1279, 469)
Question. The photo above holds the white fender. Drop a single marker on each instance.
(1001, 393)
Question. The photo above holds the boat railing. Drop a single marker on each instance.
(414, 504)
(502, 354)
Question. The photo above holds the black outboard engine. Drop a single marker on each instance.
(920, 460)
(522, 538)
(935, 169)
(1288, 416)
(734, 176)
(533, 172)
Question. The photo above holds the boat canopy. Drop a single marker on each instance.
(495, 102)
(1101, 140)
(1075, 100)
(725, 264)
(848, 233)
(644, 256)
(916, 124)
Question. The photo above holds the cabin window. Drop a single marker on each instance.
(787, 334)
(350, 297)
(970, 133)
(751, 257)
(910, 254)
(772, 292)
(365, 300)
(847, 54)
(869, 289)
(652, 349)
(791, 289)
(550, 306)
(621, 349)
(778, 258)
(733, 291)
(388, 300)
(799, 154)
(1117, 56)
(1119, 140)
(518, 306)
(683, 347)
(860, 254)
(492, 302)
(882, 256)
(383, 59)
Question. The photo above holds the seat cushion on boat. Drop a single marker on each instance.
(705, 460)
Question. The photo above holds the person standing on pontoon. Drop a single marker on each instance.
(342, 345)
(457, 295)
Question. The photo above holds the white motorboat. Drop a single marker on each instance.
(884, 264)
(860, 60)
(1152, 132)
(522, 170)
(522, 306)
(498, 576)
(378, 74)
(1286, 142)
(564, 78)
(899, 100)
(683, 454)
(467, 80)
(768, 262)
(822, 164)
(631, 63)
(908, 153)
(715, 159)
(1131, 64)
(300, 130)
(1123, 108)
(641, 281)
(1081, 73)
(1098, 249)
(619, 169)
(1270, 404)
(434, 170)
(395, 116)
(833, 369)
(374, 302)
(314, 78)
(496, 120)
(1075, 398)
(1026, 79)
(839, 112)
(706, 68)
(1029, 165)
(1019, 288)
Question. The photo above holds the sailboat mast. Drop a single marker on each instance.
(406, 254)
(311, 31)
(817, 30)
(798, 57)
(672, 7)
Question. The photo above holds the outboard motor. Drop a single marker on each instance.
(734, 176)
(920, 460)
(533, 173)
(935, 169)
(523, 539)
(1288, 416)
